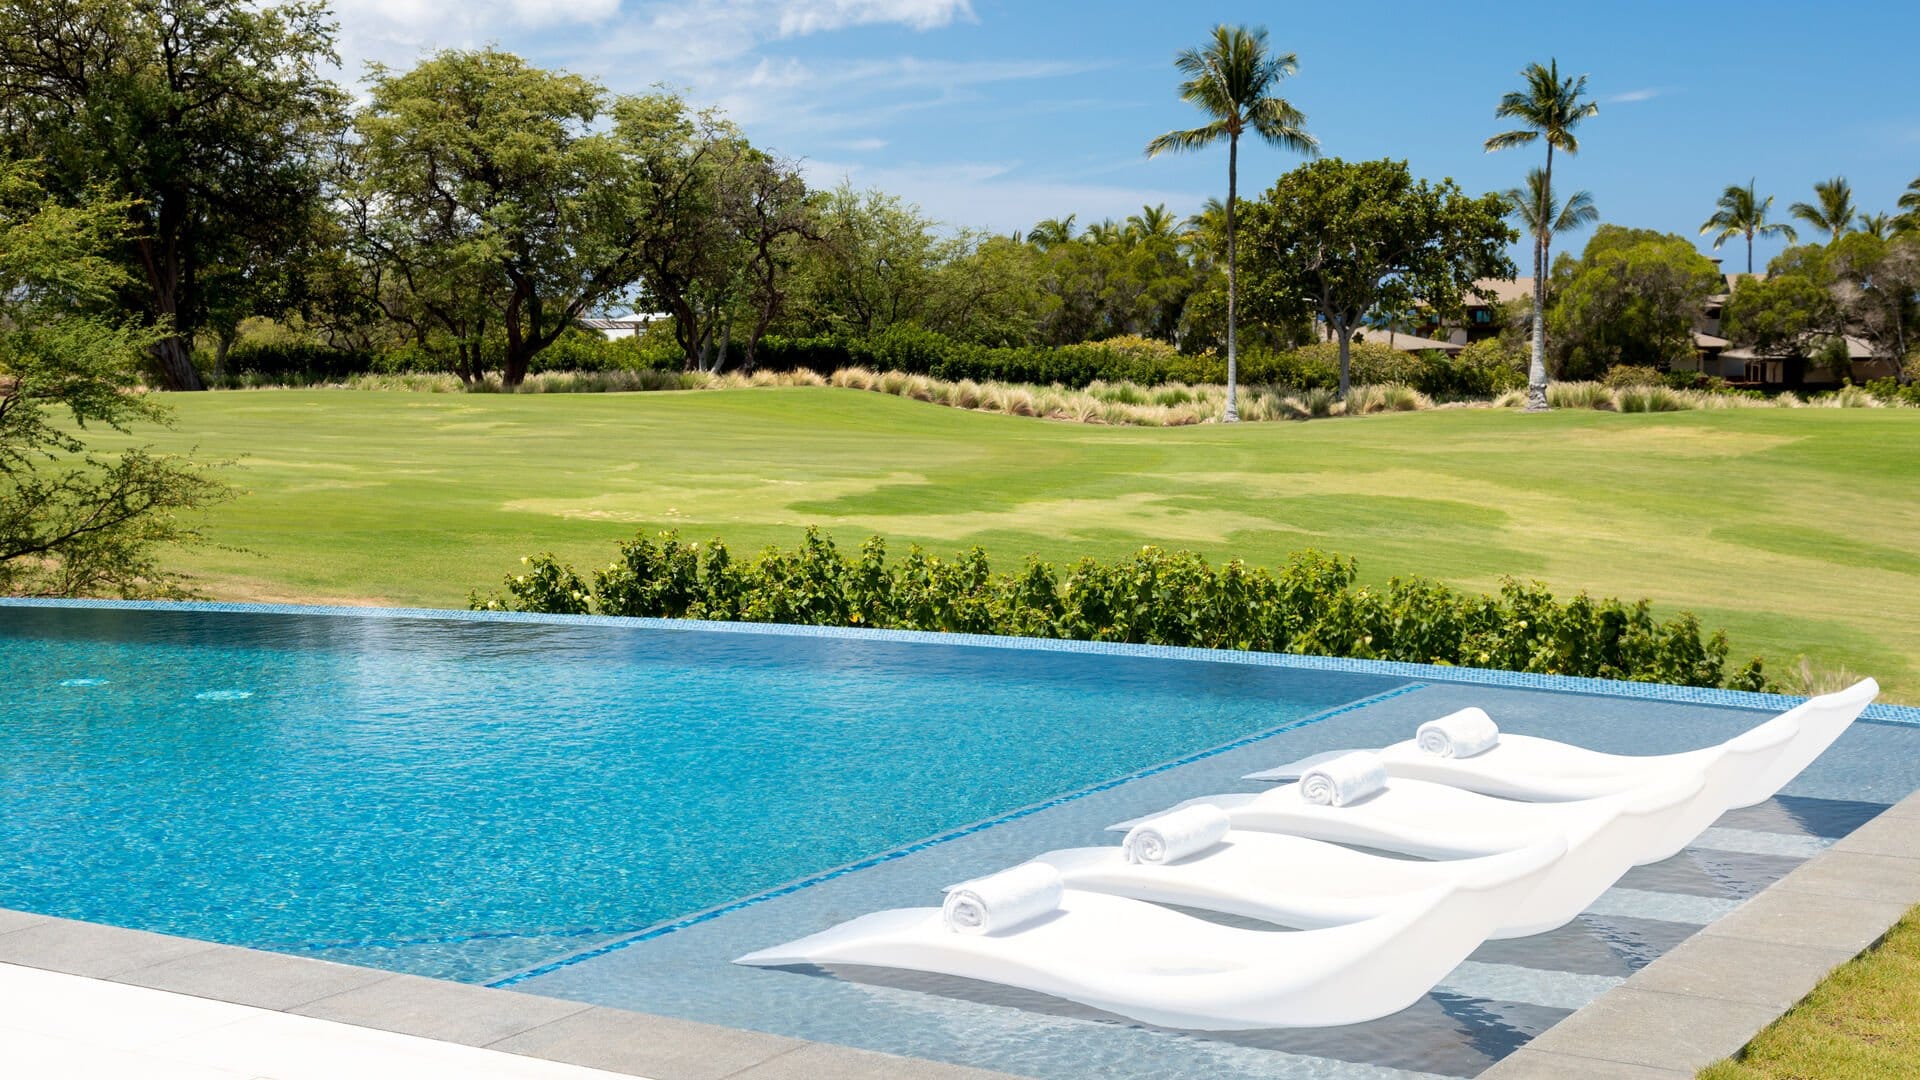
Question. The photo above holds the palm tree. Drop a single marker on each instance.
(1232, 79)
(1151, 223)
(1742, 213)
(1550, 107)
(1909, 219)
(1051, 232)
(1540, 214)
(1832, 210)
(1877, 225)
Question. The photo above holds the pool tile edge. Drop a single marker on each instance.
(612, 1040)
(1673, 1017)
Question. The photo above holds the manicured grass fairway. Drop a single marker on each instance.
(1794, 529)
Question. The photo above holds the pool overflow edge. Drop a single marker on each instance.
(1517, 680)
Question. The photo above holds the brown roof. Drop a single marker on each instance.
(1496, 291)
(1406, 342)
(1857, 349)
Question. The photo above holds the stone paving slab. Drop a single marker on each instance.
(435, 1009)
(1707, 998)
(91, 949)
(661, 1047)
(246, 977)
(1528, 1062)
(549, 1029)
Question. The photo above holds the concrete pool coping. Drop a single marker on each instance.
(1700, 1002)
(1708, 997)
(548, 1029)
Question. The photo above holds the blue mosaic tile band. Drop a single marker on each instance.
(1521, 680)
(967, 830)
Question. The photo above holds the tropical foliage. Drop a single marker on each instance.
(1741, 212)
(1314, 603)
(73, 522)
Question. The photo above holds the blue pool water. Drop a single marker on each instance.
(467, 799)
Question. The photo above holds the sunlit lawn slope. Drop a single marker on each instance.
(1794, 529)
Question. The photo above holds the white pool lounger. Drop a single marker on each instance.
(1544, 770)
(1305, 884)
(1159, 966)
(1605, 837)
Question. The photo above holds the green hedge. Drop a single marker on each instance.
(1311, 604)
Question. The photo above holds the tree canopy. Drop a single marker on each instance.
(1342, 240)
(208, 121)
(1629, 299)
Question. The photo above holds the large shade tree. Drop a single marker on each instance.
(1233, 79)
(1740, 212)
(1832, 210)
(1548, 108)
(208, 120)
(1340, 240)
(1629, 299)
(492, 188)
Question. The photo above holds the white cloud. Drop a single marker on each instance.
(1647, 93)
(997, 195)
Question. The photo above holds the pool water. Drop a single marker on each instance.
(395, 786)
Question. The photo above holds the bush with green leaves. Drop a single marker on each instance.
(1314, 603)
(1621, 376)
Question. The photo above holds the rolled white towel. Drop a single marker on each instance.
(1176, 835)
(1459, 734)
(1004, 900)
(1346, 779)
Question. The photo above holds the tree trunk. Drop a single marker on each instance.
(1346, 340)
(222, 343)
(1232, 414)
(1537, 364)
(175, 359)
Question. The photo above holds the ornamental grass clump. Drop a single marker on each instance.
(1313, 603)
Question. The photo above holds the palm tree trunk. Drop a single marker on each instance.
(1233, 285)
(1537, 366)
(1749, 251)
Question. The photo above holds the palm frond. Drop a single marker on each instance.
(1191, 139)
(1281, 124)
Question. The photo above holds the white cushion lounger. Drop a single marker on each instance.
(1159, 966)
(1543, 770)
(1300, 883)
(1605, 837)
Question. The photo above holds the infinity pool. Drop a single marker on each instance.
(467, 799)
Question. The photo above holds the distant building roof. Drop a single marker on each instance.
(1406, 342)
(630, 322)
(1708, 341)
(1496, 291)
(1857, 349)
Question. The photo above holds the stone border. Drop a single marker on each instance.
(569, 1032)
(1519, 680)
(1708, 997)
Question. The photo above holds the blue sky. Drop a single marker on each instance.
(996, 114)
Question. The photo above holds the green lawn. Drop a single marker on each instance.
(1793, 529)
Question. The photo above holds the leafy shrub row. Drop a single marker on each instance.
(1310, 604)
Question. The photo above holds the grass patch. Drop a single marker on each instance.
(1862, 1023)
(412, 498)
